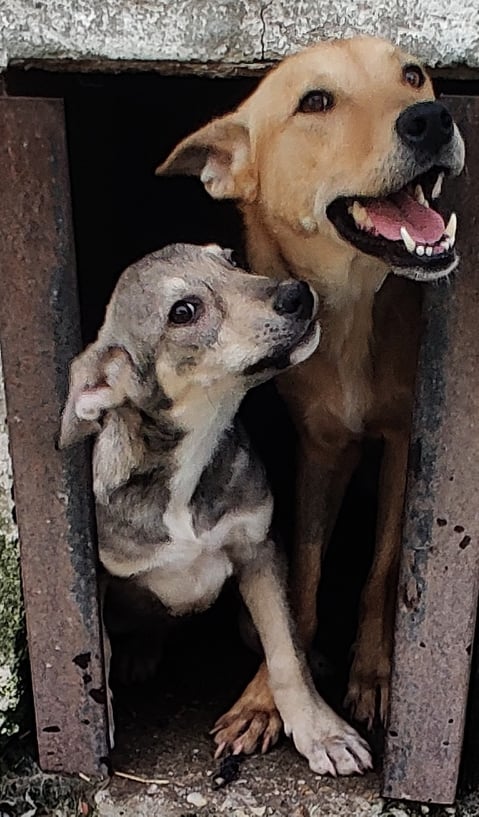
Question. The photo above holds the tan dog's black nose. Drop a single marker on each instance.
(294, 298)
(426, 127)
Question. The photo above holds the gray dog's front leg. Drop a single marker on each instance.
(328, 743)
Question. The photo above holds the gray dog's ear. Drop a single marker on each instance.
(220, 154)
(100, 379)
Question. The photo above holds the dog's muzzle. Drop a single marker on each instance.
(425, 128)
(295, 299)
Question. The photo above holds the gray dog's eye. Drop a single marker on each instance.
(183, 312)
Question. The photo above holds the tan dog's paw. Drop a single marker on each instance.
(252, 723)
(368, 691)
(247, 727)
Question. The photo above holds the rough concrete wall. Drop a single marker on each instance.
(11, 613)
(441, 32)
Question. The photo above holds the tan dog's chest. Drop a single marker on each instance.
(366, 377)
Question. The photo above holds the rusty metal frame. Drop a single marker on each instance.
(39, 333)
(439, 579)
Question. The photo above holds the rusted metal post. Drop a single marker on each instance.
(438, 586)
(39, 332)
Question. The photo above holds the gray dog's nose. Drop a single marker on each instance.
(425, 127)
(294, 298)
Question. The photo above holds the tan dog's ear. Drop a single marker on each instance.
(99, 380)
(220, 154)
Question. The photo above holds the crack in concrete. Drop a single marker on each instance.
(262, 12)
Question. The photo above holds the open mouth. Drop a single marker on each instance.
(403, 228)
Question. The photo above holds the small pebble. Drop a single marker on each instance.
(424, 809)
(195, 798)
(258, 811)
(152, 788)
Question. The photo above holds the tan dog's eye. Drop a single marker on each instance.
(183, 312)
(414, 76)
(316, 102)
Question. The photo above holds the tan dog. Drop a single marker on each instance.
(182, 500)
(336, 161)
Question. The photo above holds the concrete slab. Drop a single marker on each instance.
(231, 32)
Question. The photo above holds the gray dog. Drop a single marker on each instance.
(182, 501)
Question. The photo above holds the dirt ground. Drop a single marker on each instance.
(162, 733)
(176, 752)
(162, 737)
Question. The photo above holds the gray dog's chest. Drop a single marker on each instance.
(234, 481)
(182, 540)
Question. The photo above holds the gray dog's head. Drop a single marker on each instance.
(185, 318)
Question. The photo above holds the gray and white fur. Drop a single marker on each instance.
(182, 501)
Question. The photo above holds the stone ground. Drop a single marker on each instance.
(178, 756)
(167, 745)
(162, 739)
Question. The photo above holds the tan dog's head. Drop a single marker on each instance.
(181, 319)
(344, 139)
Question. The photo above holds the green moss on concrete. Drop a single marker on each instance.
(12, 633)
(26, 791)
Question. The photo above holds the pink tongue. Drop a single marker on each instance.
(423, 224)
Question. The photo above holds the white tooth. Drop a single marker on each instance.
(409, 242)
(428, 250)
(419, 195)
(360, 215)
(420, 250)
(451, 228)
(446, 244)
(436, 190)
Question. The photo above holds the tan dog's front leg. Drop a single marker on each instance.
(323, 476)
(371, 668)
(328, 743)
